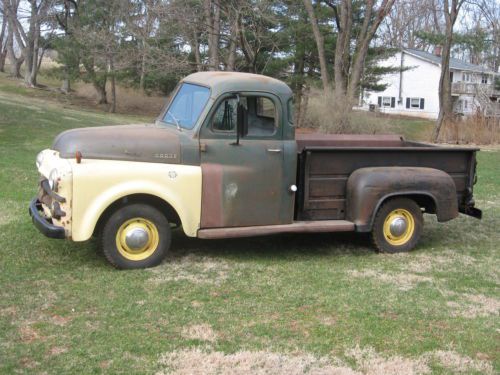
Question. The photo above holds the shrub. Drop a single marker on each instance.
(329, 115)
(477, 129)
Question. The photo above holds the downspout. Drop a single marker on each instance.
(400, 99)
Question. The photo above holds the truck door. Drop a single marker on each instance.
(243, 183)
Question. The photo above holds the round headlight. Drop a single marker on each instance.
(53, 176)
(39, 159)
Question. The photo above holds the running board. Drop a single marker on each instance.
(295, 227)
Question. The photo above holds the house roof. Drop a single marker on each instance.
(454, 63)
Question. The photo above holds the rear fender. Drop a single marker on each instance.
(368, 188)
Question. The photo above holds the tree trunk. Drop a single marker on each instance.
(445, 105)
(66, 85)
(320, 44)
(231, 60)
(298, 80)
(212, 19)
(99, 83)
(34, 62)
(3, 55)
(3, 45)
(15, 62)
(112, 108)
(366, 35)
(29, 50)
(100, 88)
(303, 107)
(143, 67)
(195, 46)
(341, 63)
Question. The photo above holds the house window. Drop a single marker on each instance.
(484, 79)
(466, 77)
(387, 101)
(415, 103)
(466, 103)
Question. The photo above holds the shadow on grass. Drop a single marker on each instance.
(284, 246)
(273, 247)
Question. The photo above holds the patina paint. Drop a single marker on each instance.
(367, 188)
(243, 183)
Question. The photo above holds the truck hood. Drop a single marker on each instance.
(141, 142)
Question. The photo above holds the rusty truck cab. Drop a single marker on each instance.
(248, 152)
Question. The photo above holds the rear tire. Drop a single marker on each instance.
(136, 236)
(397, 226)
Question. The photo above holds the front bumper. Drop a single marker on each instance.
(43, 224)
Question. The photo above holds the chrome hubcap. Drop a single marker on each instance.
(136, 238)
(398, 226)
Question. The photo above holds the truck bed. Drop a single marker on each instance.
(325, 162)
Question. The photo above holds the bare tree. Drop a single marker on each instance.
(368, 29)
(189, 20)
(141, 20)
(488, 16)
(212, 20)
(3, 39)
(403, 24)
(451, 11)
(233, 12)
(343, 21)
(11, 7)
(320, 44)
(27, 41)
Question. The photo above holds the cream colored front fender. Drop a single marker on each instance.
(99, 183)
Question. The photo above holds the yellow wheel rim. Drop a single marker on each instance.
(137, 239)
(395, 233)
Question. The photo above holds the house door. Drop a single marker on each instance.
(242, 183)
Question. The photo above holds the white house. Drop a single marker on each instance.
(414, 90)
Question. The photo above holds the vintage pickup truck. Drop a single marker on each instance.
(222, 160)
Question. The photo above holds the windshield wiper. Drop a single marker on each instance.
(176, 121)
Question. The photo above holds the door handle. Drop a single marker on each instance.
(275, 150)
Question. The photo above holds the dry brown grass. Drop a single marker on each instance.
(370, 362)
(403, 281)
(472, 130)
(128, 100)
(202, 332)
(366, 362)
(471, 306)
(423, 263)
(459, 364)
(328, 115)
(198, 362)
(192, 268)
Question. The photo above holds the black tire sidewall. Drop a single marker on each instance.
(378, 237)
(128, 212)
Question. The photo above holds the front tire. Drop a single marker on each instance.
(397, 226)
(136, 236)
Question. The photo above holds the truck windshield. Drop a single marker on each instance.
(187, 105)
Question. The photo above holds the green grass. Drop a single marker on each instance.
(64, 309)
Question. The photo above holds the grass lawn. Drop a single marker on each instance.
(286, 304)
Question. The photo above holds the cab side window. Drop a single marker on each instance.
(261, 116)
(225, 117)
(259, 110)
